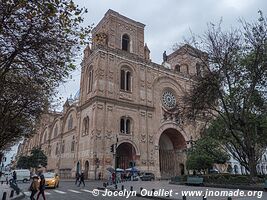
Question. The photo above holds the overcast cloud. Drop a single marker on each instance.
(167, 21)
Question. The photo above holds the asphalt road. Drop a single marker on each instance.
(68, 190)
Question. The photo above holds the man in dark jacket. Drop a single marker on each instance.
(14, 176)
(81, 180)
(41, 187)
(77, 176)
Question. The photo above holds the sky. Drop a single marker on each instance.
(167, 22)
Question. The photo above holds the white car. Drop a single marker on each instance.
(22, 174)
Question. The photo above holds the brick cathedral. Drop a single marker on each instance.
(125, 100)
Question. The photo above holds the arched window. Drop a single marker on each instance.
(72, 144)
(57, 150)
(125, 125)
(125, 42)
(198, 70)
(236, 169)
(177, 68)
(63, 146)
(126, 80)
(70, 122)
(90, 80)
(45, 137)
(85, 127)
(55, 131)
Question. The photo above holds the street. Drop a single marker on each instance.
(68, 190)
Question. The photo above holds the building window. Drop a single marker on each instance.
(125, 125)
(70, 122)
(125, 43)
(63, 146)
(57, 150)
(177, 68)
(85, 128)
(56, 131)
(45, 137)
(90, 80)
(236, 169)
(126, 80)
(72, 144)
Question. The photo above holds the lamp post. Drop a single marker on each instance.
(113, 149)
(191, 142)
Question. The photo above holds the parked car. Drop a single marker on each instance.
(23, 175)
(6, 176)
(51, 180)
(214, 171)
(147, 176)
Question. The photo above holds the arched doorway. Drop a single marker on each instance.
(171, 153)
(78, 169)
(126, 155)
(86, 169)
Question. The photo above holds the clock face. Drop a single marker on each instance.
(168, 100)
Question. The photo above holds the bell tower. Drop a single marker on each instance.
(119, 32)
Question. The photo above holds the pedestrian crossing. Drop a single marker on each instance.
(74, 191)
(29, 193)
(62, 192)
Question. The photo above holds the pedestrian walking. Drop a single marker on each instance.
(14, 176)
(77, 176)
(99, 176)
(34, 187)
(81, 180)
(41, 187)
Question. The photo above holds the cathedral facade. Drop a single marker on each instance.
(127, 113)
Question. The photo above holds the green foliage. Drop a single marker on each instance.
(232, 88)
(39, 41)
(205, 153)
(23, 162)
(228, 179)
(35, 160)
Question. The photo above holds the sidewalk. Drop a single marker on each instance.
(163, 187)
(6, 188)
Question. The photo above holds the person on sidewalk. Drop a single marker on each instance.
(81, 180)
(42, 187)
(34, 186)
(14, 176)
(77, 176)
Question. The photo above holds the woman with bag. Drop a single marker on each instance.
(34, 187)
(42, 187)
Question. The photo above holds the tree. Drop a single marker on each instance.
(37, 158)
(232, 88)
(38, 41)
(205, 153)
(23, 162)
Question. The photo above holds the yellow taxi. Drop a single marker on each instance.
(51, 180)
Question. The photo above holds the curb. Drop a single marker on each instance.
(21, 195)
(241, 187)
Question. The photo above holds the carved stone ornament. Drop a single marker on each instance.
(143, 138)
(100, 38)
